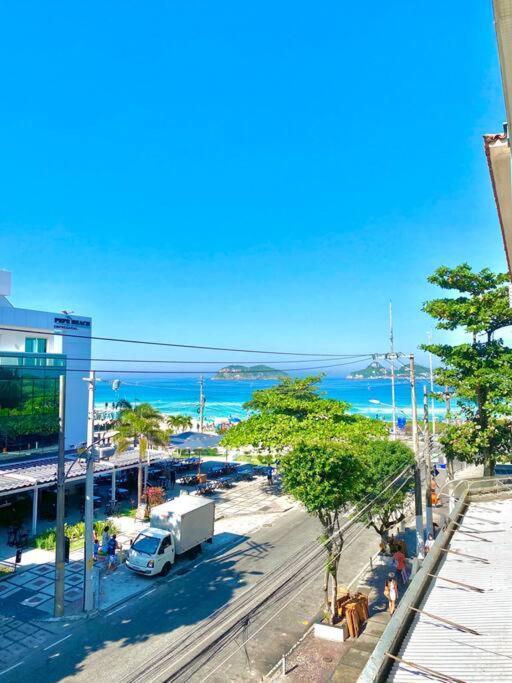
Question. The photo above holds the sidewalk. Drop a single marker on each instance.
(317, 661)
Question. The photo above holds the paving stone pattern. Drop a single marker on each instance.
(249, 498)
(34, 588)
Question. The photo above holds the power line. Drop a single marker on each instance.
(174, 345)
(294, 596)
(209, 362)
(166, 661)
(123, 371)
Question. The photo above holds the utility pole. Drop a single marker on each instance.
(433, 401)
(89, 498)
(448, 417)
(201, 404)
(417, 472)
(392, 360)
(58, 609)
(428, 466)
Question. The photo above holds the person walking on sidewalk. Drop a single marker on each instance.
(429, 543)
(401, 565)
(391, 591)
(105, 537)
(113, 545)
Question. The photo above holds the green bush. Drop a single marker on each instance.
(75, 532)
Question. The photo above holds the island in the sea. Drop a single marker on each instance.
(242, 372)
(378, 371)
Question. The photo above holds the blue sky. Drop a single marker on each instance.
(251, 174)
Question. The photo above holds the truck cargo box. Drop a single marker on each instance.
(189, 518)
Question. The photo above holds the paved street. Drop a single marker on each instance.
(174, 614)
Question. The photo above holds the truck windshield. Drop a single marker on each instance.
(146, 544)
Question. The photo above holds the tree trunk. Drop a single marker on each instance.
(489, 467)
(334, 596)
(326, 589)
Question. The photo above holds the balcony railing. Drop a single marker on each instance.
(21, 359)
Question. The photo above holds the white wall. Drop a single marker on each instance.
(73, 346)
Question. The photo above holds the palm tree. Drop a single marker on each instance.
(123, 404)
(179, 422)
(140, 425)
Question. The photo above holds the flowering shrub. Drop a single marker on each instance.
(155, 495)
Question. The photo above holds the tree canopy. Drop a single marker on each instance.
(293, 412)
(325, 479)
(380, 463)
(478, 371)
(326, 458)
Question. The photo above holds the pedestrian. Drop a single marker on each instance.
(391, 591)
(95, 549)
(269, 476)
(112, 546)
(173, 478)
(429, 543)
(105, 538)
(401, 565)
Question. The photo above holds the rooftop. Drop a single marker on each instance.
(481, 557)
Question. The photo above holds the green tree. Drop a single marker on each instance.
(480, 370)
(293, 412)
(179, 423)
(124, 404)
(141, 426)
(325, 478)
(381, 462)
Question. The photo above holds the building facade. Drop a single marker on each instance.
(36, 347)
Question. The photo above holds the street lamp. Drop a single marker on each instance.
(381, 403)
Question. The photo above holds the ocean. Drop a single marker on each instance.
(226, 398)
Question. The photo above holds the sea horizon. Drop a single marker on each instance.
(225, 398)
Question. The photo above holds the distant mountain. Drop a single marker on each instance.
(378, 371)
(242, 372)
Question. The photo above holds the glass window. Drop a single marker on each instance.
(165, 543)
(29, 405)
(35, 345)
(146, 544)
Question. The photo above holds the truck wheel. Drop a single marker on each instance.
(165, 569)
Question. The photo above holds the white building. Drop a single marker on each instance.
(34, 348)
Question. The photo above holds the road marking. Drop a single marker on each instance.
(10, 668)
(116, 610)
(58, 641)
(146, 593)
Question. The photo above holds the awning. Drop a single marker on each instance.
(192, 441)
(498, 156)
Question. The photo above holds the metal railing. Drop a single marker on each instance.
(470, 487)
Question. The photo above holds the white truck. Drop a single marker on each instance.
(176, 527)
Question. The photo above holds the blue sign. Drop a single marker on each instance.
(401, 421)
